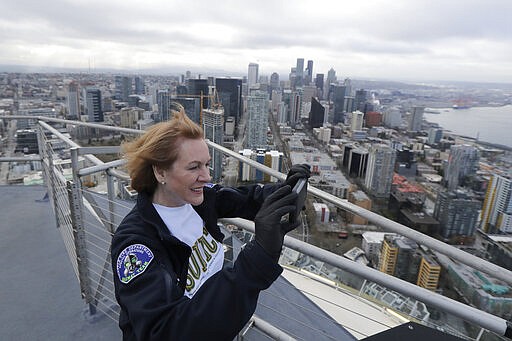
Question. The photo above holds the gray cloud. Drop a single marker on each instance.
(431, 34)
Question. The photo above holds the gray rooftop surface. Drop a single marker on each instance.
(40, 294)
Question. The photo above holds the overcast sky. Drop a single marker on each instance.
(392, 39)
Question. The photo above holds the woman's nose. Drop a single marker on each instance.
(205, 174)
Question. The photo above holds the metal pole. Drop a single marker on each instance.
(388, 225)
(76, 207)
(466, 312)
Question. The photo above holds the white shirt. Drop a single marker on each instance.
(207, 255)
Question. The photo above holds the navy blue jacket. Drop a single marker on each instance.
(153, 305)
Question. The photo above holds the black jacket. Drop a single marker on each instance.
(153, 305)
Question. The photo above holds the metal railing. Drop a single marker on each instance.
(87, 219)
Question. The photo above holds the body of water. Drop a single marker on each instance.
(489, 124)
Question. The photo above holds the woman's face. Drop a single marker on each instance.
(185, 179)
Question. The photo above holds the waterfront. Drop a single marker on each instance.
(489, 124)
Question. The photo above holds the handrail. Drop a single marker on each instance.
(389, 225)
(466, 312)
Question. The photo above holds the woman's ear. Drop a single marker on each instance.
(159, 173)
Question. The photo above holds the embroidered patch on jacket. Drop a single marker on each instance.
(133, 261)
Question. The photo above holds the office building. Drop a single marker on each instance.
(434, 135)
(462, 163)
(129, 117)
(359, 198)
(93, 109)
(308, 76)
(123, 87)
(317, 114)
(163, 100)
(331, 77)
(356, 122)
(399, 258)
(496, 213)
(199, 88)
(299, 73)
(373, 119)
(357, 162)
(191, 105)
(319, 83)
(457, 214)
(213, 127)
(257, 119)
(416, 118)
(379, 172)
(229, 91)
(392, 118)
(139, 85)
(428, 273)
(73, 101)
(338, 99)
(360, 99)
(253, 75)
(274, 84)
(295, 107)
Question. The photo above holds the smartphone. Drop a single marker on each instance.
(301, 188)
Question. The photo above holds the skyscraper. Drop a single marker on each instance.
(379, 172)
(497, 209)
(462, 162)
(319, 82)
(123, 87)
(139, 85)
(299, 73)
(360, 99)
(317, 114)
(295, 107)
(331, 77)
(73, 101)
(229, 91)
(434, 135)
(199, 87)
(338, 99)
(163, 100)
(253, 75)
(357, 121)
(457, 214)
(93, 105)
(416, 118)
(213, 126)
(257, 119)
(274, 81)
(308, 77)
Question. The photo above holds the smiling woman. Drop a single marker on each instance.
(167, 253)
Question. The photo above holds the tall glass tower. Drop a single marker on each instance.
(462, 162)
(252, 76)
(213, 126)
(257, 119)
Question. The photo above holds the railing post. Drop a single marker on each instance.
(48, 166)
(111, 196)
(76, 207)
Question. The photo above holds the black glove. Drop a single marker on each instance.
(270, 228)
(297, 172)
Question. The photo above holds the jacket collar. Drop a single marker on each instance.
(206, 211)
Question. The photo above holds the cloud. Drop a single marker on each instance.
(383, 37)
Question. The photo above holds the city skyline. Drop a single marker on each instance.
(420, 40)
